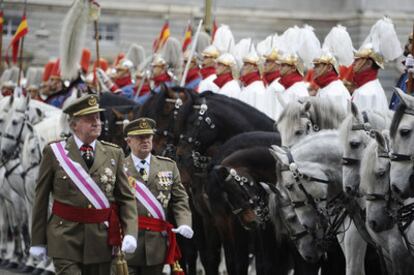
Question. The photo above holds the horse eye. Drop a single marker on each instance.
(354, 144)
(1, 120)
(405, 132)
(14, 122)
(380, 174)
(299, 132)
(289, 186)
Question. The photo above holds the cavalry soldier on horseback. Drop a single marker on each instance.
(159, 192)
(92, 200)
(193, 76)
(160, 73)
(369, 59)
(327, 66)
(208, 68)
(225, 83)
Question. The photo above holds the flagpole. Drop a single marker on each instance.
(21, 49)
(98, 65)
(1, 38)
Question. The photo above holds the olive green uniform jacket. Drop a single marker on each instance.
(152, 246)
(83, 243)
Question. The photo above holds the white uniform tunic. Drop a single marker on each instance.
(371, 96)
(337, 92)
(272, 92)
(207, 84)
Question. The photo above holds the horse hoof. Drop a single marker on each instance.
(27, 269)
(47, 272)
(37, 271)
(12, 265)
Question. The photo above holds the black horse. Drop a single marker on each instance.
(255, 165)
(118, 111)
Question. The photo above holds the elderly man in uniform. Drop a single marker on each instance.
(92, 200)
(158, 192)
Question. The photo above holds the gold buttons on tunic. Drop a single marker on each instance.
(89, 205)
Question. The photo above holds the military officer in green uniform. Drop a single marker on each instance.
(92, 200)
(160, 178)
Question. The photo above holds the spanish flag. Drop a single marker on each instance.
(21, 31)
(164, 34)
(187, 36)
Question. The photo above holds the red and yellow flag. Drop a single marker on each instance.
(21, 31)
(187, 36)
(164, 34)
(1, 20)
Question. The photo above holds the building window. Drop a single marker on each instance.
(10, 25)
(108, 32)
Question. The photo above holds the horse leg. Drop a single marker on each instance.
(401, 259)
(209, 246)
(354, 249)
(236, 248)
(272, 257)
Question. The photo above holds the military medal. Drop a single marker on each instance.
(163, 199)
(113, 162)
(165, 179)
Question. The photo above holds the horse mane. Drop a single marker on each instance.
(245, 140)
(368, 162)
(375, 119)
(254, 157)
(152, 105)
(399, 113)
(318, 150)
(292, 111)
(326, 113)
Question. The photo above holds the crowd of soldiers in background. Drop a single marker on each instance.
(266, 75)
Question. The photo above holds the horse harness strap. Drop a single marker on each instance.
(366, 126)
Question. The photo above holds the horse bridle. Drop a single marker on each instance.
(294, 236)
(403, 157)
(199, 160)
(255, 202)
(169, 132)
(17, 139)
(365, 126)
(333, 209)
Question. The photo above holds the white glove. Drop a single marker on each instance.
(184, 230)
(409, 63)
(129, 244)
(39, 252)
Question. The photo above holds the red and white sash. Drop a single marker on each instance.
(148, 200)
(80, 177)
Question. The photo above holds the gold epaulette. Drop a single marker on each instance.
(164, 158)
(109, 143)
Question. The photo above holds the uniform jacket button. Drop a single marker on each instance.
(89, 205)
(60, 223)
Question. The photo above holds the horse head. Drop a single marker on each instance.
(375, 183)
(402, 144)
(245, 198)
(310, 179)
(305, 116)
(16, 127)
(307, 246)
(356, 133)
(164, 107)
